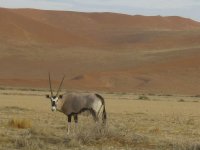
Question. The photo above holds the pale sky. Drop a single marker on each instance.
(184, 8)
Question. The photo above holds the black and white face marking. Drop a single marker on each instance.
(54, 101)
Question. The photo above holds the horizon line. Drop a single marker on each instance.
(113, 12)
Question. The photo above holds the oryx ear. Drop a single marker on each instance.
(60, 96)
(47, 96)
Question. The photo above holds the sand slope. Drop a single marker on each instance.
(100, 51)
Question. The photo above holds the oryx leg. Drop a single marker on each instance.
(94, 115)
(76, 118)
(69, 123)
(76, 121)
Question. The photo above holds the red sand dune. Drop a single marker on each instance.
(99, 51)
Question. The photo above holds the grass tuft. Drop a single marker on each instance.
(20, 123)
(108, 135)
(181, 100)
(143, 97)
(29, 144)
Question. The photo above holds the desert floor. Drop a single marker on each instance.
(134, 122)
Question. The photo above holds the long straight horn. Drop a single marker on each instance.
(60, 86)
(50, 85)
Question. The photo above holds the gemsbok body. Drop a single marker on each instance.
(72, 104)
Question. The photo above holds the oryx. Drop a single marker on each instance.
(72, 104)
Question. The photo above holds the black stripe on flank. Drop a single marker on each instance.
(101, 98)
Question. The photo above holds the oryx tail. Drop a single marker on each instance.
(104, 115)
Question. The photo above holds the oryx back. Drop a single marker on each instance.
(76, 103)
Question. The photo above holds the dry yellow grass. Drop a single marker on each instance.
(20, 123)
(161, 122)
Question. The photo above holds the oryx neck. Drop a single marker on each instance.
(59, 105)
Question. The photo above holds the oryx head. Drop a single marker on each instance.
(52, 97)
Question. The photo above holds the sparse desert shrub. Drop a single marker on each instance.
(143, 97)
(73, 142)
(108, 135)
(181, 100)
(167, 95)
(152, 94)
(15, 108)
(155, 130)
(20, 123)
(190, 121)
(91, 135)
(196, 95)
(186, 146)
(195, 101)
(29, 144)
(2, 88)
(42, 131)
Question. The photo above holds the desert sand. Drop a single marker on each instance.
(134, 122)
(99, 51)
